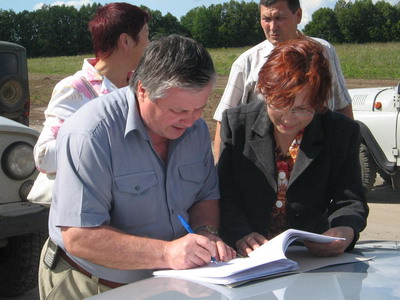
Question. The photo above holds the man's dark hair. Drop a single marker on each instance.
(293, 5)
(173, 61)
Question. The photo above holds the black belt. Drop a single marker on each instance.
(110, 284)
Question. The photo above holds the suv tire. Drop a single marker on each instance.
(12, 94)
(368, 168)
(19, 264)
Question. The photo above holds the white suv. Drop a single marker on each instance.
(23, 225)
(377, 110)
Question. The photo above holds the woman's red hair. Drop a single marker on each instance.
(110, 21)
(291, 67)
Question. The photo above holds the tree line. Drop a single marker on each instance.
(62, 30)
(360, 21)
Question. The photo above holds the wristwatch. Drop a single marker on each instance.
(209, 228)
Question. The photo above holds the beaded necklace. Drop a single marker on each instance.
(284, 164)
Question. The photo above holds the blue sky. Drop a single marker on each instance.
(177, 8)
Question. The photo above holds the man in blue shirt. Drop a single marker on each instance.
(128, 164)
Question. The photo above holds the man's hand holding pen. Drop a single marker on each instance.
(224, 252)
(195, 250)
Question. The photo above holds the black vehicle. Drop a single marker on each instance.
(14, 86)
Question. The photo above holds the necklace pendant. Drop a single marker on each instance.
(279, 204)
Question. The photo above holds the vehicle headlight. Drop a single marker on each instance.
(17, 161)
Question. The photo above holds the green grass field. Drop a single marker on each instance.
(370, 61)
(363, 61)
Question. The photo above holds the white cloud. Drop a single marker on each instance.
(76, 4)
(309, 7)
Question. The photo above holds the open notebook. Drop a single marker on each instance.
(267, 260)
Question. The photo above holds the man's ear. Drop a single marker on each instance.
(299, 14)
(140, 91)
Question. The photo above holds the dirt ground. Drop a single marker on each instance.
(42, 86)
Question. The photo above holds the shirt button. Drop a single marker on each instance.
(172, 211)
(137, 187)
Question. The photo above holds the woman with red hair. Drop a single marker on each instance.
(119, 34)
(288, 161)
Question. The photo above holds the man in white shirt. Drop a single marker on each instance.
(279, 20)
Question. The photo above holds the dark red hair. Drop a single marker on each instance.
(292, 66)
(110, 21)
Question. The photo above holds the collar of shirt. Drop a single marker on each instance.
(134, 120)
(101, 83)
(267, 48)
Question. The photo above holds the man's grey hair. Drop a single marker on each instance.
(173, 62)
(293, 5)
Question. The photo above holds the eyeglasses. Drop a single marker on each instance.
(298, 111)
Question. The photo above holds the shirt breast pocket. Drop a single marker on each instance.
(135, 200)
(192, 178)
(136, 184)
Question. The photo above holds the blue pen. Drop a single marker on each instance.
(190, 230)
(185, 224)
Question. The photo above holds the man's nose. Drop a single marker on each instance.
(191, 117)
(273, 25)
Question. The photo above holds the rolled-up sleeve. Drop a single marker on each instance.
(82, 190)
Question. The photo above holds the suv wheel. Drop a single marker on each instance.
(12, 93)
(19, 264)
(368, 168)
